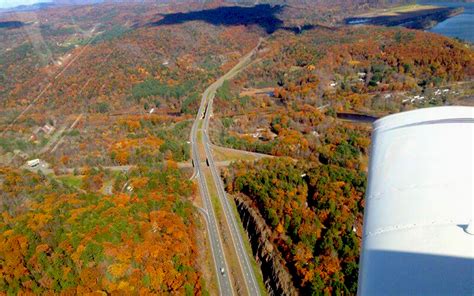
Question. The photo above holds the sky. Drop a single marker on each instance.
(13, 3)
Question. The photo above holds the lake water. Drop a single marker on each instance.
(460, 26)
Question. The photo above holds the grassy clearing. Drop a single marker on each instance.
(223, 154)
(71, 180)
(410, 8)
(201, 150)
(213, 193)
(199, 136)
(256, 91)
(397, 10)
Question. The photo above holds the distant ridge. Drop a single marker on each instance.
(77, 2)
(28, 7)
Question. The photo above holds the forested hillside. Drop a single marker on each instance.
(132, 86)
(106, 102)
(316, 219)
(310, 77)
(288, 105)
(57, 239)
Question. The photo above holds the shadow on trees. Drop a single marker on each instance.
(263, 15)
(11, 24)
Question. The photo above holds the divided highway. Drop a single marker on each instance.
(223, 280)
(220, 262)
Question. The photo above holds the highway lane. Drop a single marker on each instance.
(223, 280)
(203, 115)
(243, 258)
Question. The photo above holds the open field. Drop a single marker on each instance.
(397, 10)
(71, 180)
(227, 154)
(409, 16)
(257, 91)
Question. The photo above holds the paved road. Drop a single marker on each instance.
(204, 113)
(223, 280)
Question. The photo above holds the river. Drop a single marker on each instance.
(460, 26)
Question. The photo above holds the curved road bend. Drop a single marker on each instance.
(225, 285)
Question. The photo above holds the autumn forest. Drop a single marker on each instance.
(98, 192)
